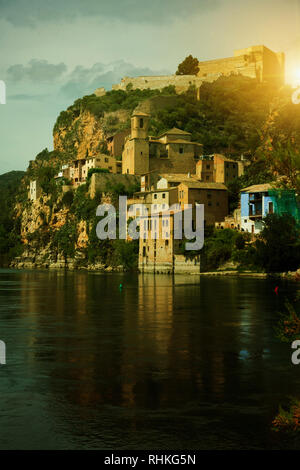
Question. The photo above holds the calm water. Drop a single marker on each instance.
(165, 363)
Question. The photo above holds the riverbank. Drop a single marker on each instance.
(60, 262)
(293, 275)
(80, 264)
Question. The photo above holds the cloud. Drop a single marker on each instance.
(83, 80)
(30, 13)
(36, 71)
(40, 79)
(26, 97)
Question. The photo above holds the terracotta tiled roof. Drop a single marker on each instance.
(179, 177)
(176, 131)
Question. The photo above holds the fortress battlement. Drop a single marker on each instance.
(256, 62)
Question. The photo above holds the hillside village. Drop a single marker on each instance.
(99, 155)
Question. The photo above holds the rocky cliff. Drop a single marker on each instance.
(85, 135)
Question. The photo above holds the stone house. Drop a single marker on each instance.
(35, 190)
(214, 196)
(217, 168)
(171, 152)
(115, 143)
(259, 200)
(78, 169)
(159, 251)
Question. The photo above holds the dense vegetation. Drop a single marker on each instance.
(112, 101)
(81, 208)
(229, 118)
(276, 249)
(10, 243)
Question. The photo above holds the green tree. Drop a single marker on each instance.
(189, 66)
(278, 245)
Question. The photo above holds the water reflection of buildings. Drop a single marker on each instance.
(162, 342)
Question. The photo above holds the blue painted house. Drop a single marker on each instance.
(262, 199)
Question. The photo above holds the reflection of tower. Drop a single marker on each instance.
(135, 159)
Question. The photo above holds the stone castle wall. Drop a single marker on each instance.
(181, 82)
(255, 62)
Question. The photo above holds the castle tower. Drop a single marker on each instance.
(135, 158)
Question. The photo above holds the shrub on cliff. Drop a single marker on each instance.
(10, 240)
(83, 207)
(68, 198)
(64, 240)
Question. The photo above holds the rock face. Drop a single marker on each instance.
(85, 135)
(41, 220)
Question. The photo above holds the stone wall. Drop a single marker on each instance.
(101, 181)
(176, 164)
(181, 82)
(183, 264)
(255, 62)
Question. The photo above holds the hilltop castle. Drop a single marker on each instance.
(257, 62)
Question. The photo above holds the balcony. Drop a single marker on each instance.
(255, 213)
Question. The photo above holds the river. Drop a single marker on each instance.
(160, 363)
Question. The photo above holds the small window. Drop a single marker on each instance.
(208, 196)
(167, 242)
(208, 166)
(164, 195)
(141, 123)
(155, 196)
(180, 149)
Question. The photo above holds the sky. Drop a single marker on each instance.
(53, 52)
